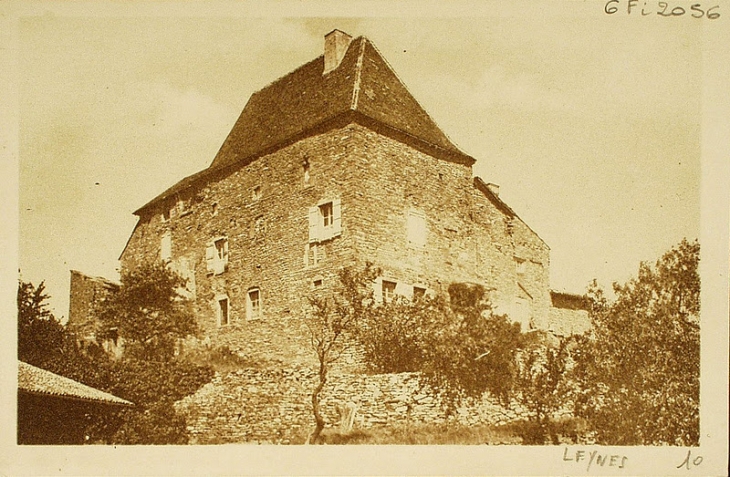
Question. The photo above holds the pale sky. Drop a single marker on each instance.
(589, 123)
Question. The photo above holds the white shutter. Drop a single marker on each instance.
(166, 247)
(313, 224)
(378, 290)
(336, 217)
(416, 228)
(210, 257)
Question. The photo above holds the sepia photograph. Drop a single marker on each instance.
(483, 238)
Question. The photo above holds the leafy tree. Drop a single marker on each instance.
(149, 315)
(460, 347)
(542, 385)
(40, 335)
(331, 321)
(469, 349)
(639, 367)
(148, 312)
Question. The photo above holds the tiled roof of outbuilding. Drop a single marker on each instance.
(363, 88)
(39, 381)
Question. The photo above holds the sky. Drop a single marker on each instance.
(590, 123)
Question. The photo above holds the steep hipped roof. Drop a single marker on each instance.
(39, 381)
(362, 89)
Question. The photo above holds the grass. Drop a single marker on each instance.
(569, 431)
(424, 434)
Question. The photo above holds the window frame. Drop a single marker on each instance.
(325, 220)
(388, 293)
(250, 316)
(220, 314)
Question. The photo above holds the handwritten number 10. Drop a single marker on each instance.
(685, 463)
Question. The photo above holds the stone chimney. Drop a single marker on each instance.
(493, 188)
(336, 43)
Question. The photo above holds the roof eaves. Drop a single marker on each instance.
(502, 206)
(330, 123)
(41, 382)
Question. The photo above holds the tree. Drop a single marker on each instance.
(148, 312)
(460, 347)
(40, 334)
(638, 368)
(469, 350)
(331, 321)
(542, 385)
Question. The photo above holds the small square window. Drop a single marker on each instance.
(223, 312)
(254, 304)
(317, 283)
(521, 266)
(388, 290)
(256, 193)
(418, 293)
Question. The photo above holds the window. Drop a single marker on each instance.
(317, 283)
(253, 304)
(416, 228)
(256, 195)
(183, 206)
(216, 255)
(325, 212)
(305, 167)
(214, 207)
(224, 317)
(521, 266)
(313, 254)
(418, 293)
(325, 221)
(166, 247)
(388, 290)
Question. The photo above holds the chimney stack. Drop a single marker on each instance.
(493, 188)
(336, 43)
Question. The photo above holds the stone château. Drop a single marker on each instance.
(336, 164)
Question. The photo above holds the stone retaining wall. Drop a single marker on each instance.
(274, 405)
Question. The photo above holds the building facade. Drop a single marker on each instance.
(332, 165)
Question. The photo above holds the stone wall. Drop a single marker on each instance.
(84, 292)
(274, 406)
(262, 210)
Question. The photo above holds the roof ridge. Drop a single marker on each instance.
(358, 74)
(395, 73)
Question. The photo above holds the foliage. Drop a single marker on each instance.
(638, 368)
(542, 386)
(460, 347)
(148, 312)
(40, 335)
(153, 385)
(331, 319)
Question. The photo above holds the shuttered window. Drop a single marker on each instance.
(416, 228)
(216, 256)
(325, 221)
